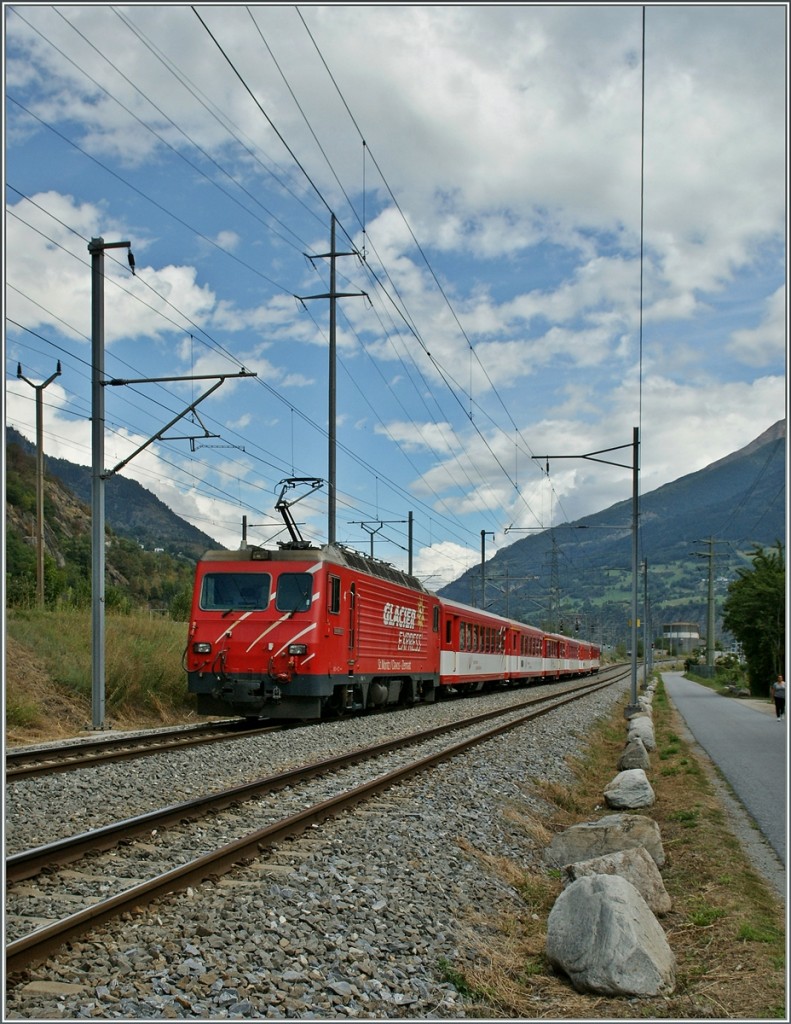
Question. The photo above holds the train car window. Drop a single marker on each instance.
(334, 603)
(435, 621)
(448, 632)
(222, 591)
(293, 591)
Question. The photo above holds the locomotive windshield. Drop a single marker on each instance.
(225, 590)
(293, 591)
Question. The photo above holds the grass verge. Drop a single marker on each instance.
(48, 668)
(726, 928)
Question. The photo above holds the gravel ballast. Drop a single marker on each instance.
(353, 919)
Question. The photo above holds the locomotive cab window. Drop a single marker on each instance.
(294, 591)
(221, 591)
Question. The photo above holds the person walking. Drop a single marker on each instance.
(778, 690)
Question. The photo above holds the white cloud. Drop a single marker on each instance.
(766, 343)
(511, 137)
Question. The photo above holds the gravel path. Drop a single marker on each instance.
(351, 920)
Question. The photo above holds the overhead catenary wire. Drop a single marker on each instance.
(142, 194)
(469, 395)
(482, 435)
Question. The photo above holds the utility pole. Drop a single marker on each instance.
(39, 389)
(484, 535)
(332, 295)
(635, 467)
(96, 248)
(99, 475)
(554, 583)
(374, 526)
(647, 651)
(710, 606)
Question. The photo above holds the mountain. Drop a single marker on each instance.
(581, 572)
(576, 573)
(131, 510)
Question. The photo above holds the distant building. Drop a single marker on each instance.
(681, 637)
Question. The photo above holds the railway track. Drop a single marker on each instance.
(28, 763)
(107, 862)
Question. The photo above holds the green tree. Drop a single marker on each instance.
(754, 612)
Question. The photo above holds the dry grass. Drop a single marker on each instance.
(48, 672)
(38, 709)
(726, 928)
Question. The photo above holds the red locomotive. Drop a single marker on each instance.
(305, 632)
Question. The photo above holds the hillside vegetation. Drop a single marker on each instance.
(48, 673)
(158, 580)
(578, 575)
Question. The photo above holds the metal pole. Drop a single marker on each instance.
(39, 389)
(409, 529)
(483, 566)
(710, 623)
(96, 248)
(635, 465)
(646, 635)
(333, 296)
(331, 427)
(39, 498)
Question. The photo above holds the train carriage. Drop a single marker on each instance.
(473, 647)
(525, 661)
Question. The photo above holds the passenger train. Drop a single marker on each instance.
(306, 632)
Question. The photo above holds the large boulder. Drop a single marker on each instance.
(608, 834)
(636, 866)
(630, 789)
(634, 755)
(643, 727)
(602, 934)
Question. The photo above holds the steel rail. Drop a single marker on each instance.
(28, 863)
(29, 764)
(35, 946)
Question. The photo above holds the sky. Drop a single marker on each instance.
(554, 225)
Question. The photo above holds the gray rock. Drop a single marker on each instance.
(634, 755)
(607, 835)
(602, 934)
(643, 727)
(636, 866)
(630, 789)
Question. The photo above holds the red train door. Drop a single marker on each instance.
(352, 624)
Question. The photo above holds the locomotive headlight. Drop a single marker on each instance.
(201, 648)
(297, 648)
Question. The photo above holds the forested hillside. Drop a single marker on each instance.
(136, 577)
(580, 573)
(130, 509)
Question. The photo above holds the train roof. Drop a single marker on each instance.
(459, 606)
(336, 554)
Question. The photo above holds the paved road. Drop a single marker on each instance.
(749, 747)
